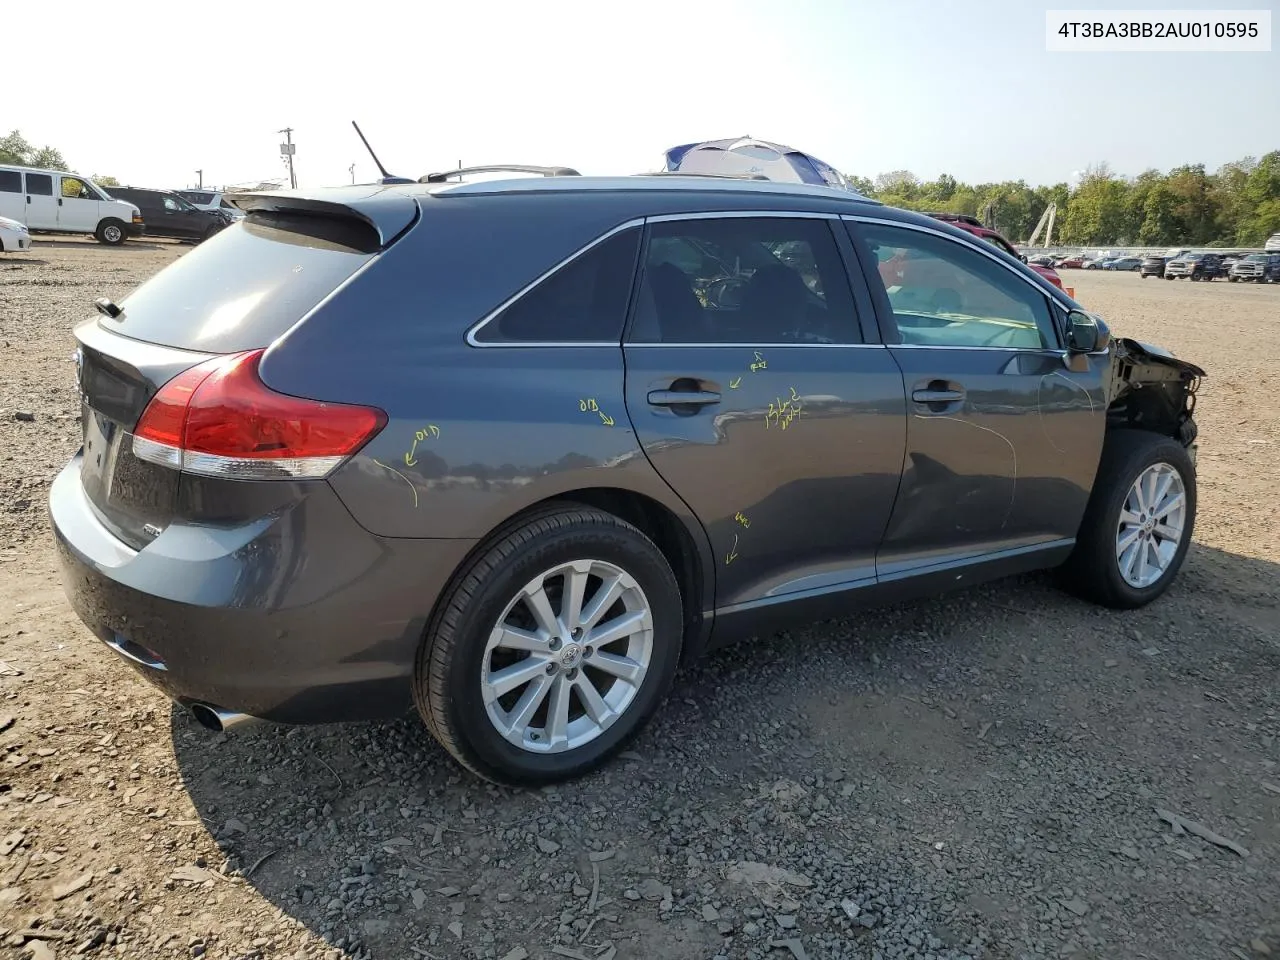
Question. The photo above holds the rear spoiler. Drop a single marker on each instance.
(386, 214)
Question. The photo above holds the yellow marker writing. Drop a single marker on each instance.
(732, 555)
(430, 430)
(589, 404)
(605, 418)
(742, 519)
(733, 384)
(760, 362)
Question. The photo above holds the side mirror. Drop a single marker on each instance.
(1022, 257)
(1085, 334)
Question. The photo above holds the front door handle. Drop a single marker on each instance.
(683, 398)
(937, 396)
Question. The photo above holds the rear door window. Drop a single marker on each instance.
(247, 286)
(744, 280)
(10, 181)
(40, 184)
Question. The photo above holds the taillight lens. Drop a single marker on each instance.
(219, 419)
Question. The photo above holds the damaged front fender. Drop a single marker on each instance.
(1151, 389)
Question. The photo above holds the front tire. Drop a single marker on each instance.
(552, 649)
(110, 232)
(1138, 524)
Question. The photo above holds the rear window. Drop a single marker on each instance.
(195, 196)
(10, 181)
(246, 286)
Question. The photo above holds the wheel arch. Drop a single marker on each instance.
(680, 539)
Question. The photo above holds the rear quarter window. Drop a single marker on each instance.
(246, 286)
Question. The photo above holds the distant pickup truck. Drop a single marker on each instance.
(1258, 267)
(1194, 266)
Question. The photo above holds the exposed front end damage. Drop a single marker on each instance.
(1150, 389)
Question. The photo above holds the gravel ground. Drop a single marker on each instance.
(979, 776)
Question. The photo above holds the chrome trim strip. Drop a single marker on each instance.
(478, 326)
(1054, 351)
(770, 346)
(729, 214)
(1053, 292)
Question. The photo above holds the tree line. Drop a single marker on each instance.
(1237, 205)
(17, 150)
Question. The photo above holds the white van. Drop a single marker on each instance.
(54, 201)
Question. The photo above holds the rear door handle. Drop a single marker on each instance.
(937, 396)
(681, 398)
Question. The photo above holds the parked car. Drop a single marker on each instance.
(14, 236)
(1044, 260)
(1074, 262)
(54, 201)
(418, 444)
(169, 215)
(1151, 266)
(974, 226)
(1194, 266)
(1273, 243)
(211, 200)
(1258, 267)
(1123, 263)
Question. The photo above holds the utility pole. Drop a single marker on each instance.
(352, 170)
(200, 180)
(287, 150)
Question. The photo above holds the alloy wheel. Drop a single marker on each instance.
(1151, 525)
(567, 657)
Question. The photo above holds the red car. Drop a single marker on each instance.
(974, 225)
(1075, 262)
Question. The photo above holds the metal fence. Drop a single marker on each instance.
(1124, 251)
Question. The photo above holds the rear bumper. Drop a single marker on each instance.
(302, 617)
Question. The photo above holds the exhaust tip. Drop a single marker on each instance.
(207, 717)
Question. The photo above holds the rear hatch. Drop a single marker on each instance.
(232, 295)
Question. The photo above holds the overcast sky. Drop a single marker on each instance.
(149, 92)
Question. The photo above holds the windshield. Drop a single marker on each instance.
(1257, 257)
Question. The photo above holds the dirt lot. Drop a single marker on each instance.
(977, 776)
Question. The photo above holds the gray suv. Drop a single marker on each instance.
(512, 451)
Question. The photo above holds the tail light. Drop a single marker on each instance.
(218, 419)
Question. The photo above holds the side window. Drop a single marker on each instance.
(172, 205)
(10, 181)
(744, 280)
(944, 294)
(583, 301)
(40, 184)
(74, 189)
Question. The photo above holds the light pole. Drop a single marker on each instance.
(287, 150)
(199, 179)
(352, 170)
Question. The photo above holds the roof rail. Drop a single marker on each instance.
(717, 176)
(444, 175)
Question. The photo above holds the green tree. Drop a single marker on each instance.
(15, 148)
(1096, 212)
(105, 181)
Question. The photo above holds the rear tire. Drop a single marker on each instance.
(1126, 553)
(110, 232)
(487, 624)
